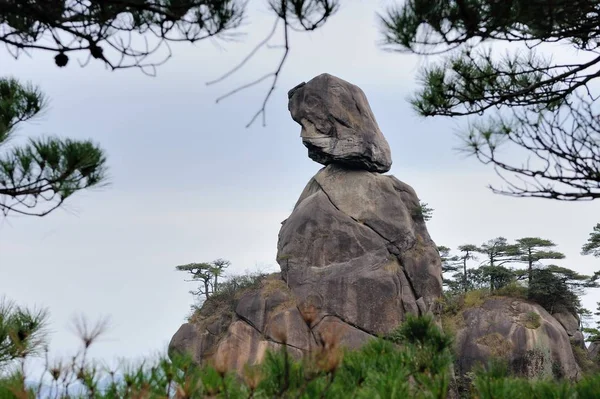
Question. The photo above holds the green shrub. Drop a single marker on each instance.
(583, 360)
(228, 293)
(531, 320)
(412, 362)
(512, 290)
(475, 298)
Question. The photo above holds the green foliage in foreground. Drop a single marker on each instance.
(412, 362)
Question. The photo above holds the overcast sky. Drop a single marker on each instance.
(189, 183)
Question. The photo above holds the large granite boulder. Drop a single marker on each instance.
(338, 125)
(356, 258)
(533, 342)
(356, 247)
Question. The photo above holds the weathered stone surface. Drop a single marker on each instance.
(356, 241)
(230, 337)
(498, 328)
(568, 321)
(253, 307)
(571, 325)
(338, 125)
(345, 335)
(594, 351)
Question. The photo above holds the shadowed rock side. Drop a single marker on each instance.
(338, 125)
(533, 342)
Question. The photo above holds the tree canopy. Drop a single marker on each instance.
(592, 245)
(499, 273)
(38, 177)
(207, 274)
(110, 31)
(539, 105)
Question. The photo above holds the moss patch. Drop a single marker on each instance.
(498, 345)
(531, 320)
(392, 266)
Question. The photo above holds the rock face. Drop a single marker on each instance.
(571, 325)
(533, 342)
(355, 247)
(338, 125)
(355, 254)
(594, 351)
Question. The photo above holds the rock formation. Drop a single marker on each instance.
(355, 255)
(533, 342)
(338, 125)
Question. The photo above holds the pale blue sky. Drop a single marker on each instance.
(190, 183)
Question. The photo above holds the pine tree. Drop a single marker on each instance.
(22, 332)
(527, 99)
(467, 253)
(109, 31)
(207, 273)
(553, 285)
(498, 252)
(449, 265)
(592, 246)
(38, 177)
(531, 251)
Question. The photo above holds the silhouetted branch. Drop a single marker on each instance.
(308, 15)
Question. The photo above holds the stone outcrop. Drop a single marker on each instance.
(355, 254)
(594, 351)
(338, 125)
(356, 258)
(571, 325)
(533, 342)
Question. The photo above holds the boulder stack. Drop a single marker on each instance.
(355, 254)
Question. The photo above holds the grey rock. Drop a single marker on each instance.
(338, 125)
(353, 229)
(570, 323)
(497, 329)
(344, 334)
(594, 351)
(567, 320)
(578, 339)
